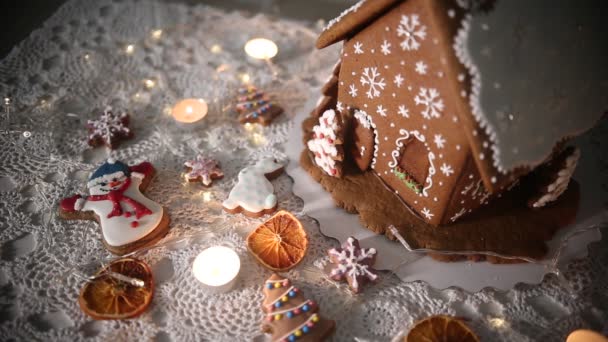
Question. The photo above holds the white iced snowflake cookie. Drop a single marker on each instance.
(203, 169)
(353, 264)
(110, 129)
(253, 194)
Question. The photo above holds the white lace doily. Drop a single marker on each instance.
(91, 53)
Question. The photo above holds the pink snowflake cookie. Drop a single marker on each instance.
(353, 264)
(110, 129)
(203, 169)
(326, 143)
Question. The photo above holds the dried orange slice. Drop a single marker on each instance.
(279, 243)
(107, 297)
(441, 329)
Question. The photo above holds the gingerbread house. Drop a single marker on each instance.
(450, 103)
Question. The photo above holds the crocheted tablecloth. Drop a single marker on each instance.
(145, 56)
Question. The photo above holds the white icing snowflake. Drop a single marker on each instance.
(339, 106)
(432, 102)
(385, 48)
(458, 214)
(353, 263)
(323, 143)
(398, 80)
(484, 198)
(412, 31)
(439, 141)
(352, 90)
(371, 78)
(427, 213)
(358, 48)
(446, 169)
(421, 67)
(109, 126)
(403, 111)
(381, 110)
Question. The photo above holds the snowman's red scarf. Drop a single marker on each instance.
(118, 195)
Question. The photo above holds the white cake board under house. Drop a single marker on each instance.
(335, 222)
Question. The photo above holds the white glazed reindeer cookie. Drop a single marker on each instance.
(253, 195)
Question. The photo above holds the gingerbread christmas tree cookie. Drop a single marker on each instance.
(326, 143)
(255, 106)
(290, 316)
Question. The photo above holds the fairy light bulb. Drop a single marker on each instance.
(215, 48)
(261, 48)
(129, 49)
(149, 83)
(156, 34)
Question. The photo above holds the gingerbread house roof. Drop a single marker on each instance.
(537, 77)
(352, 20)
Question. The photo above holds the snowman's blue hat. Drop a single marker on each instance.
(109, 167)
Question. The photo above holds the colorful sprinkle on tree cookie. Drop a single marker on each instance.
(290, 316)
(255, 106)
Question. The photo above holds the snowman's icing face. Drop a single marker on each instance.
(106, 183)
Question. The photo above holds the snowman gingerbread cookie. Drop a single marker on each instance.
(128, 219)
(253, 195)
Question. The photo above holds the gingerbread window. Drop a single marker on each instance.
(413, 165)
(414, 160)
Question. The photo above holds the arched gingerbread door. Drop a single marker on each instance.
(412, 162)
(363, 140)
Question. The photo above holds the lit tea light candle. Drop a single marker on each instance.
(261, 48)
(217, 268)
(189, 110)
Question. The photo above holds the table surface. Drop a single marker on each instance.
(79, 61)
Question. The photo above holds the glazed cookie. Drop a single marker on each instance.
(326, 143)
(110, 129)
(353, 264)
(253, 194)
(203, 169)
(128, 219)
(290, 316)
(255, 106)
